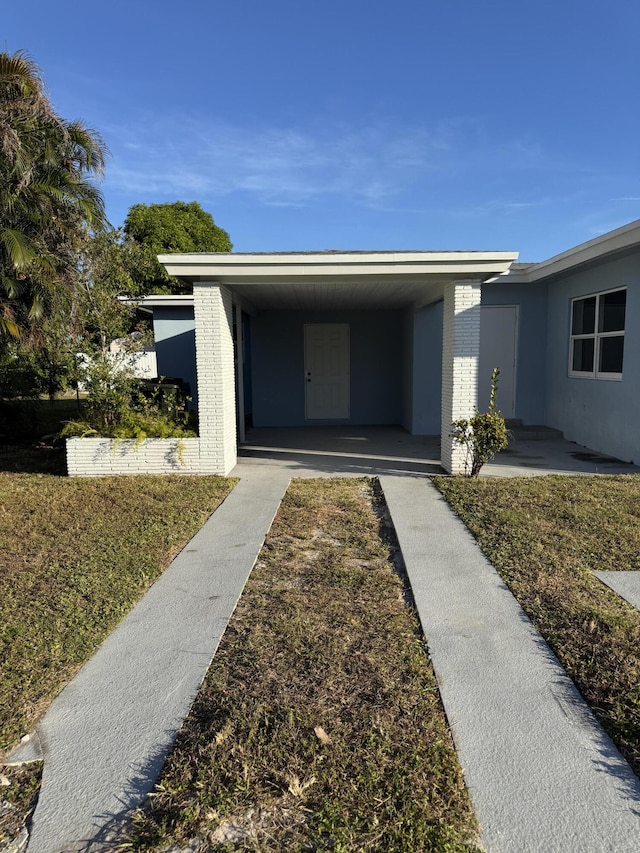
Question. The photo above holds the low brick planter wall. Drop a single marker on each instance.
(104, 457)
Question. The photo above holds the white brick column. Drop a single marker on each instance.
(460, 354)
(213, 312)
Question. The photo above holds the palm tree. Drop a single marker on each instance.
(48, 202)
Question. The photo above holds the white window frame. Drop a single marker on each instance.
(596, 336)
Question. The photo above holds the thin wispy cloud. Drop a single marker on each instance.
(373, 166)
(278, 166)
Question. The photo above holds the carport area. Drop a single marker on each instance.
(377, 451)
(336, 339)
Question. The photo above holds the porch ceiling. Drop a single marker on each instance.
(337, 280)
(336, 295)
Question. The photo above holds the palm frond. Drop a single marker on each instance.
(18, 246)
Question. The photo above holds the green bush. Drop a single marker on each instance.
(484, 434)
(115, 408)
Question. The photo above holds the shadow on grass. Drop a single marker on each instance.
(37, 458)
(27, 435)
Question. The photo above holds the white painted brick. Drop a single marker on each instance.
(460, 353)
(104, 457)
(213, 309)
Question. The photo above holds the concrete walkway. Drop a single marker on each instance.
(626, 584)
(104, 739)
(542, 774)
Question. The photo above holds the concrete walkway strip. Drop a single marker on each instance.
(542, 774)
(105, 737)
(626, 584)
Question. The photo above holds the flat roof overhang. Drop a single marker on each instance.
(336, 280)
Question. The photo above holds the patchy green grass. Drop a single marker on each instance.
(545, 536)
(75, 556)
(319, 725)
(18, 798)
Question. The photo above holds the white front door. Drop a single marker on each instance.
(498, 347)
(326, 371)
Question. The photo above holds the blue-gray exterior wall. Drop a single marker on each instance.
(531, 299)
(407, 369)
(175, 342)
(599, 413)
(277, 353)
(426, 380)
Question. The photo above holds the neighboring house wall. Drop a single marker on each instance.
(531, 300)
(174, 333)
(277, 352)
(143, 364)
(427, 370)
(600, 413)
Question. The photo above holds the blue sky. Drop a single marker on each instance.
(357, 124)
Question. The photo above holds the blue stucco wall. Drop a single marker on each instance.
(407, 369)
(427, 370)
(175, 341)
(602, 414)
(277, 355)
(531, 299)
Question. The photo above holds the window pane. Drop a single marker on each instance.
(612, 307)
(584, 316)
(611, 351)
(582, 359)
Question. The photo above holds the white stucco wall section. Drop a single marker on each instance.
(460, 354)
(213, 308)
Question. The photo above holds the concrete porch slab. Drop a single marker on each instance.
(379, 450)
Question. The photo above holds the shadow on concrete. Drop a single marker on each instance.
(374, 451)
(345, 451)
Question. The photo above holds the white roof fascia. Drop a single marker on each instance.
(597, 249)
(159, 300)
(238, 267)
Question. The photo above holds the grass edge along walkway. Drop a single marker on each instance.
(319, 725)
(77, 554)
(545, 537)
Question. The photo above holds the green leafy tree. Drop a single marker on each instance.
(48, 200)
(162, 228)
(109, 267)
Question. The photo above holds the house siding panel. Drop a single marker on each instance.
(175, 343)
(601, 414)
(427, 370)
(531, 300)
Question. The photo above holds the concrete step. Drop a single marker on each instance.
(534, 432)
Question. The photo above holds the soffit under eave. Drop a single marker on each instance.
(336, 296)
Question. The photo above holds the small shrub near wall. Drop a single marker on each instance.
(103, 457)
(482, 435)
